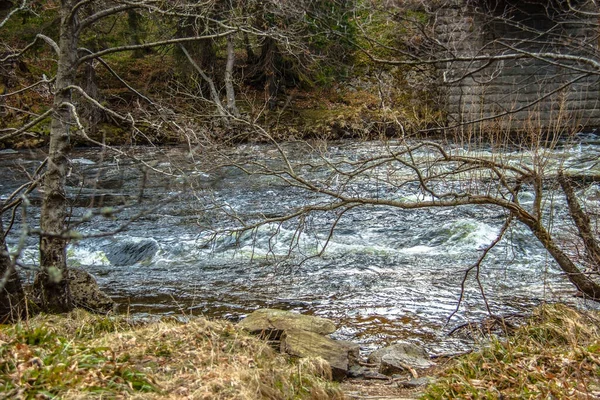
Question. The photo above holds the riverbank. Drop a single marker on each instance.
(79, 355)
(555, 355)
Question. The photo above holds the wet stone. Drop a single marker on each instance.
(338, 354)
(129, 253)
(374, 375)
(271, 323)
(400, 357)
(357, 371)
(86, 294)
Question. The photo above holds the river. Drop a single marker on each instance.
(158, 235)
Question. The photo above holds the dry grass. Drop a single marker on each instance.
(555, 356)
(85, 356)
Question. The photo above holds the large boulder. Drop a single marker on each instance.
(130, 252)
(86, 293)
(400, 357)
(271, 323)
(339, 354)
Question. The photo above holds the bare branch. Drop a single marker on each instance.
(86, 22)
(18, 54)
(38, 83)
(27, 126)
(119, 49)
(477, 267)
(12, 12)
(213, 90)
(51, 42)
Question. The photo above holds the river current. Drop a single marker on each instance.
(163, 242)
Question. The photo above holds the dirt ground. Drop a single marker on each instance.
(392, 389)
(356, 389)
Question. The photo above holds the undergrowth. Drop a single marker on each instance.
(87, 356)
(556, 355)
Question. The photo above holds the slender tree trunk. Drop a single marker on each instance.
(92, 114)
(582, 222)
(268, 60)
(250, 56)
(214, 94)
(52, 285)
(582, 281)
(88, 112)
(202, 51)
(12, 296)
(137, 32)
(230, 91)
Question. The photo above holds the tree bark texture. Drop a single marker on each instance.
(250, 56)
(582, 222)
(268, 60)
(582, 281)
(137, 32)
(92, 114)
(229, 90)
(52, 285)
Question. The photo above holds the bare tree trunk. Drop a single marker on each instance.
(230, 92)
(250, 56)
(214, 94)
(90, 112)
(52, 284)
(136, 32)
(12, 296)
(582, 222)
(268, 60)
(582, 281)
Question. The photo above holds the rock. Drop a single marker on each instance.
(110, 179)
(374, 375)
(129, 252)
(271, 323)
(340, 355)
(357, 371)
(400, 357)
(354, 353)
(360, 372)
(415, 383)
(86, 293)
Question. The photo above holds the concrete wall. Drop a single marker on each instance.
(528, 92)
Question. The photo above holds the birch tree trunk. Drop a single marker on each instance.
(230, 91)
(51, 284)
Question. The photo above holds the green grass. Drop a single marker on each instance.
(555, 356)
(80, 355)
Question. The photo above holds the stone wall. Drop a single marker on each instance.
(526, 92)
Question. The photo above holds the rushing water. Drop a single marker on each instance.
(386, 274)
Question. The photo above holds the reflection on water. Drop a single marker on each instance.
(386, 274)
